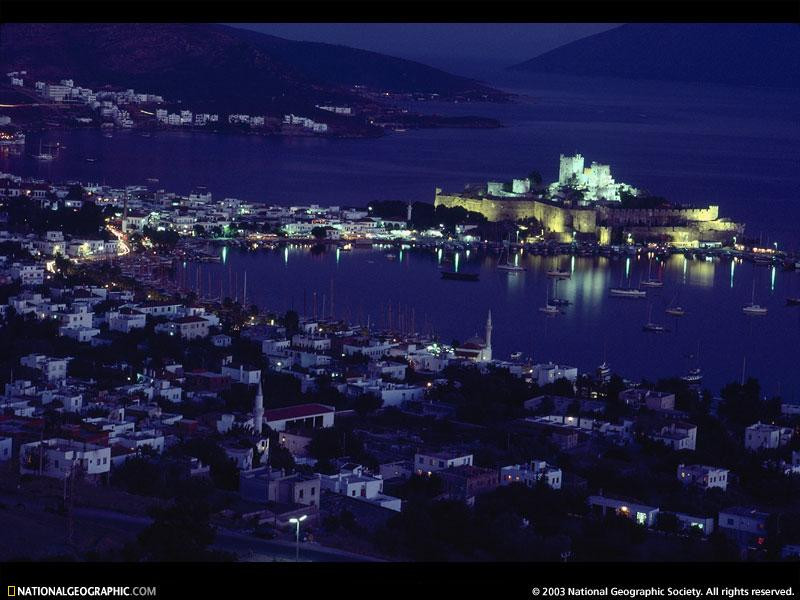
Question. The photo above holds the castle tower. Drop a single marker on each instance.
(258, 411)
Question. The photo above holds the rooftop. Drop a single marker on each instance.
(297, 412)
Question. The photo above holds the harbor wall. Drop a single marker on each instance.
(678, 226)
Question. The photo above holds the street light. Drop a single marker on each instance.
(297, 522)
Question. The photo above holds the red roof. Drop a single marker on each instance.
(297, 412)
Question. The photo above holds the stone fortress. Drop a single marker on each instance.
(587, 202)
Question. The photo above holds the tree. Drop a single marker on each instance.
(366, 404)
(179, 532)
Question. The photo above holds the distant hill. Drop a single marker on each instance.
(764, 55)
(214, 66)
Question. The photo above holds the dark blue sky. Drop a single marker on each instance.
(472, 49)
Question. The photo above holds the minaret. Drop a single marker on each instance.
(488, 350)
(258, 411)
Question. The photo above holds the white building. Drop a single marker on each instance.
(678, 436)
(761, 436)
(239, 374)
(188, 328)
(126, 320)
(428, 463)
(703, 476)
(353, 483)
(53, 369)
(531, 473)
(59, 457)
(545, 374)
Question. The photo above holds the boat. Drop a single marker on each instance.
(793, 301)
(559, 274)
(556, 300)
(346, 247)
(754, 309)
(548, 308)
(455, 276)
(516, 355)
(694, 376)
(391, 256)
(507, 266)
(650, 282)
(91, 160)
(675, 311)
(653, 327)
(628, 293)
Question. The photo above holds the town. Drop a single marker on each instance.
(135, 405)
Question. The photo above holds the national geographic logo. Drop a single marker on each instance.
(74, 591)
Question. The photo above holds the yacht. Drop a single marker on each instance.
(650, 282)
(675, 311)
(550, 309)
(693, 376)
(754, 309)
(653, 327)
(793, 301)
(559, 274)
(628, 293)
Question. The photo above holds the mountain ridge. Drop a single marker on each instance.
(760, 55)
(216, 66)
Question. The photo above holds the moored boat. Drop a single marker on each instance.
(628, 293)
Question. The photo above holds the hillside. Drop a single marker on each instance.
(763, 55)
(214, 66)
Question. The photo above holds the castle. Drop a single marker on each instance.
(595, 213)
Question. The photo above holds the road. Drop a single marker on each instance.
(249, 548)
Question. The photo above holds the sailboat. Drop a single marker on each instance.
(650, 282)
(674, 310)
(653, 327)
(695, 375)
(754, 309)
(507, 265)
(628, 292)
(559, 274)
(549, 309)
(556, 300)
(43, 155)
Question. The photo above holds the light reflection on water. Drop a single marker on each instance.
(366, 282)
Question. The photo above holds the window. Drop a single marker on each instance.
(301, 493)
(313, 491)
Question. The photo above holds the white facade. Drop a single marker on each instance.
(530, 474)
(353, 483)
(703, 476)
(761, 436)
(427, 463)
(59, 457)
(550, 373)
